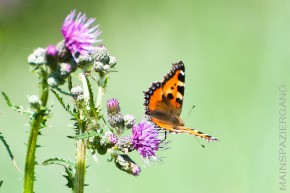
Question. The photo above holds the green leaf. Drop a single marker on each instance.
(106, 82)
(1, 182)
(85, 135)
(68, 166)
(13, 106)
(66, 107)
(69, 83)
(9, 151)
(91, 101)
(63, 92)
(70, 175)
(58, 161)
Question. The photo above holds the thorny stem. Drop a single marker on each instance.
(81, 145)
(80, 165)
(37, 119)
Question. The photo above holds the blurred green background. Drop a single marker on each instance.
(236, 55)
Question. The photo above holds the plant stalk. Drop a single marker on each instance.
(81, 146)
(80, 165)
(37, 119)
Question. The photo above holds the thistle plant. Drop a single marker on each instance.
(77, 62)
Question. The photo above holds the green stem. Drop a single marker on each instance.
(81, 145)
(80, 165)
(101, 89)
(33, 134)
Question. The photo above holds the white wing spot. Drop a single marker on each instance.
(181, 72)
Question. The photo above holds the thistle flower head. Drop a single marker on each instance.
(113, 106)
(125, 163)
(114, 115)
(112, 61)
(78, 34)
(51, 50)
(37, 57)
(66, 68)
(108, 139)
(98, 66)
(125, 144)
(34, 101)
(84, 60)
(53, 81)
(101, 54)
(129, 121)
(145, 139)
(77, 93)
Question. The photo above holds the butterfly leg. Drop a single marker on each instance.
(165, 136)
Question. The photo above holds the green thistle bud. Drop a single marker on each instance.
(38, 57)
(112, 61)
(116, 121)
(53, 82)
(125, 163)
(77, 93)
(34, 101)
(98, 66)
(129, 121)
(107, 68)
(125, 144)
(101, 54)
(84, 60)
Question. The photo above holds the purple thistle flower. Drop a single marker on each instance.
(113, 139)
(51, 50)
(78, 35)
(113, 106)
(109, 139)
(145, 139)
(114, 115)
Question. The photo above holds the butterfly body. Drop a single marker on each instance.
(163, 103)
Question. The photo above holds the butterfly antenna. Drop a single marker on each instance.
(199, 142)
(189, 112)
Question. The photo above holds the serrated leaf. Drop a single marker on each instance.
(63, 92)
(70, 175)
(13, 106)
(68, 166)
(104, 120)
(69, 83)
(9, 151)
(91, 101)
(59, 161)
(85, 135)
(66, 107)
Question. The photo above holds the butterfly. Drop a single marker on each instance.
(163, 103)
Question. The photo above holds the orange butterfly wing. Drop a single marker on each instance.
(163, 102)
